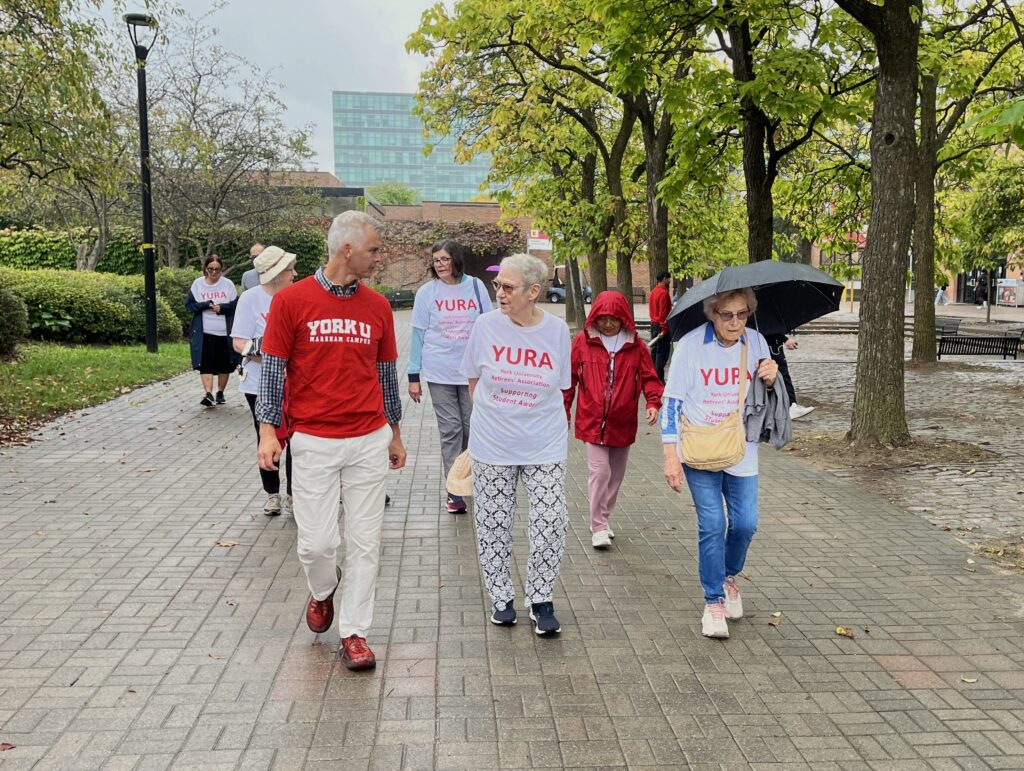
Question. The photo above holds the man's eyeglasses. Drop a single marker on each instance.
(729, 315)
(442, 260)
(506, 288)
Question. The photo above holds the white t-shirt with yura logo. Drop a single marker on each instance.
(220, 293)
(518, 414)
(250, 321)
(445, 313)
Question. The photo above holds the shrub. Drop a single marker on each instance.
(80, 307)
(37, 248)
(15, 321)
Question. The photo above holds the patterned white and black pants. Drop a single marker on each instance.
(494, 491)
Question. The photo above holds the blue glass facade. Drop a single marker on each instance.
(377, 138)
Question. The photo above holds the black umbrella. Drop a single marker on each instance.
(788, 294)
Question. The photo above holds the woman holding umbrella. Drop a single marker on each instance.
(704, 397)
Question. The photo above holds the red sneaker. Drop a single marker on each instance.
(320, 613)
(356, 654)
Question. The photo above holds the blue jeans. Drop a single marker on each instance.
(723, 543)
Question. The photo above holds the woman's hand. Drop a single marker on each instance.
(215, 307)
(652, 415)
(673, 468)
(415, 392)
(767, 369)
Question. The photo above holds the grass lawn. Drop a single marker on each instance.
(47, 379)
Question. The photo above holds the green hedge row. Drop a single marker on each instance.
(37, 248)
(84, 307)
(15, 321)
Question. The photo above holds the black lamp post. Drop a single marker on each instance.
(138, 22)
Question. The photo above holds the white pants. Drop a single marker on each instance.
(359, 464)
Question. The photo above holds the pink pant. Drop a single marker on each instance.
(607, 469)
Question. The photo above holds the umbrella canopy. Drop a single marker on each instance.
(788, 294)
(494, 268)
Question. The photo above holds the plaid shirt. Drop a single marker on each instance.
(271, 394)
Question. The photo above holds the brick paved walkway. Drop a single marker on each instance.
(130, 639)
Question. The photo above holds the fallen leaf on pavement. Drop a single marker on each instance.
(968, 679)
(226, 542)
(844, 631)
(776, 614)
(775, 622)
(4, 746)
(147, 470)
(970, 562)
(132, 690)
(40, 532)
(968, 473)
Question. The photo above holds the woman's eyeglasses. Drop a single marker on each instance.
(215, 270)
(729, 315)
(442, 260)
(506, 288)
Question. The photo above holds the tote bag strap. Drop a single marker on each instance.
(743, 376)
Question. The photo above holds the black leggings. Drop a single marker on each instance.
(271, 479)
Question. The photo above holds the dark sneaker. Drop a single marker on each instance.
(456, 504)
(207, 401)
(387, 499)
(320, 613)
(503, 614)
(542, 614)
(356, 654)
(220, 398)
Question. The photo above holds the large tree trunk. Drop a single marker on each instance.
(597, 254)
(173, 253)
(879, 412)
(924, 227)
(575, 310)
(624, 273)
(760, 206)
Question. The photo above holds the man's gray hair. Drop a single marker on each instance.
(533, 269)
(710, 303)
(348, 227)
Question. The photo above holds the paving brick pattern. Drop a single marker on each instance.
(129, 639)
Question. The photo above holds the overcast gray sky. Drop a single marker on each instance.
(313, 47)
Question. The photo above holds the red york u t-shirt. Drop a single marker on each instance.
(332, 345)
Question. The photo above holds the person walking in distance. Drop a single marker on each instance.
(211, 299)
(611, 367)
(777, 346)
(336, 336)
(251, 277)
(660, 304)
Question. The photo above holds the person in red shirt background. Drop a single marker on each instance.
(337, 338)
(660, 304)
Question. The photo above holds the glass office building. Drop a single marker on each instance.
(377, 138)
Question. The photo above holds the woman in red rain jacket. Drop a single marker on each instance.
(611, 366)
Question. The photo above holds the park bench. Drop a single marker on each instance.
(1004, 345)
(400, 298)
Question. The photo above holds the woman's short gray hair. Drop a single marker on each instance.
(711, 303)
(532, 269)
(348, 228)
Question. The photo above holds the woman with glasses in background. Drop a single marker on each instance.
(703, 388)
(518, 364)
(212, 300)
(442, 316)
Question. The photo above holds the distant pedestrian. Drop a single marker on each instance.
(611, 366)
(940, 295)
(334, 336)
(660, 305)
(212, 299)
(981, 291)
(251, 277)
(276, 269)
(778, 345)
(517, 363)
(710, 371)
(442, 317)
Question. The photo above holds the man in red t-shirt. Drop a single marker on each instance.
(337, 338)
(660, 303)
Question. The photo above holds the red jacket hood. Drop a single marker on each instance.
(610, 304)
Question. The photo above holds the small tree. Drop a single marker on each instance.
(393, 194)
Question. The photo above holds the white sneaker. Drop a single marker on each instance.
(600, 540)
(713, 624)
(610, 533)
(286, 504)
(733, 601)
(796, 411)
(273, 505)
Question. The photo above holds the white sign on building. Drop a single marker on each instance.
(538, 241)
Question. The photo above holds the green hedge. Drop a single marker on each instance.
(38, 248)
(84, 307)
(173, 284)
(15, 321)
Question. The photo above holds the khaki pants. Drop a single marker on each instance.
(359, 464)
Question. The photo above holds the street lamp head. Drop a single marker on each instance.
(137, 22)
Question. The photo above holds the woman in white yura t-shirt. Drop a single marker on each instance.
(212, 299)
(442, 316)
(518, 363)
